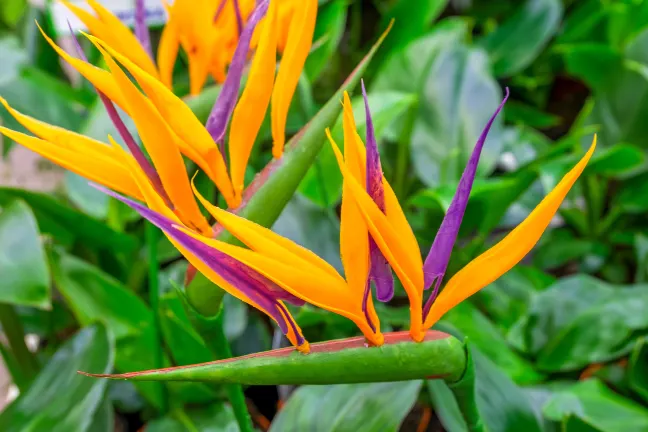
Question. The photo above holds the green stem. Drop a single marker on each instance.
(464, 392)
(235, 394)
(23, 359)
(154, 301)
(403, 155)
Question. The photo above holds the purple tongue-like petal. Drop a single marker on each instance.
(380, 272)
(224, 106)
(437, 260)
(251, 283)
(141, 29)
(135, 150)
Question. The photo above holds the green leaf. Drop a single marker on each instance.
(581, 320)
(518, 41)
(11, 11)
(457, 95)
(631, 196)
(379, 407)
(23, 266)
(329, 28)
(216, 417)
(621, 101)
(508, 298)
(312, 227)
(94, 296)
(411, 18)
(521, 113)
(66, 224)
(59, 399)
(268, 194)
(322, 184)
(638, 371)
(598, 406)
(502, 405)
(484, 335)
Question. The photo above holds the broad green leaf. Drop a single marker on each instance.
(104, 417)
(331, 20)
(484, 335)
(502, 405)
(457, 95)
(583, 23)
(638, 371)
(379, 407)
(59, 399)
(519, 40)
(599, 65)
(631, 196)
(581, 320)
(312, 227)
(66, 224)
(216, 417)
(592, 402)
(621, 101)
(412, 18)
(11, 11)
(94, 296)
(23, 265)
(508, 298)
(520, 113)
(322, 184)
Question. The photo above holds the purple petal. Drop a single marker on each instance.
(135, 150)
(250, 282)
(380, 272)
(141, 29)
(224, 106)
(219, 11)
(437, 260)
(239, 18)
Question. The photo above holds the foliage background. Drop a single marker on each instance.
(560, 341)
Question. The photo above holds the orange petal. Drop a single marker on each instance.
(98, 168)
(300, 39)
(100, 78)
(122, 38)
(500, 258)
(251, 108)
(389, 242)
(301, 280)
(167, 53)
(183, 122)
(154, 202)
(265, 241)
(158, 140)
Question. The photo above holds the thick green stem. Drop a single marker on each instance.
(464, 391)
(154, 300)
(222, 349)
(23, 359)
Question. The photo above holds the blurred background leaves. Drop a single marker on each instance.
(559, 343)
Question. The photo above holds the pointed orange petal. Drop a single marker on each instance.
(251, 108)
(158, 140)
(299, 279)
(167, 53)
(99, 168)
(122, 38)
(500, 258)
(389, 242)
(183, 122)
(100, 78)
(265, 241)
(300, 39)
(154, 202)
